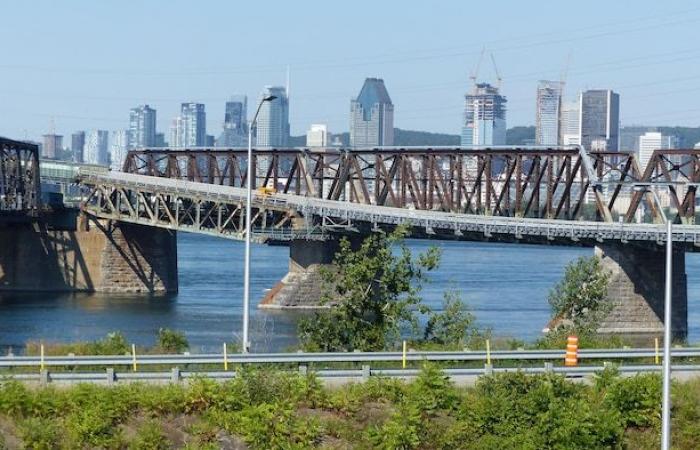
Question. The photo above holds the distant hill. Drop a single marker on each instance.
(514, 136)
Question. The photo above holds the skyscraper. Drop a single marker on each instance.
(484, 116)
(118, 148)
(77, 147)
(53, 146)
(273, 120)
(97, 147)
(372, 116)
(318, 135)
(194, 123)
(177, 132)
(235, 132)
(142, 127)
(599, 120)
(568, 125)
(548, 113)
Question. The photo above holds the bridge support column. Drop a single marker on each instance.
(302, 286)
(636, 290)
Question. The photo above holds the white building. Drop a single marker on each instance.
(177, 132)
(568, 125)
(653, 140)
(273, 121)
(547, 112)
(318, 135)
(96, 147)
(118, 148)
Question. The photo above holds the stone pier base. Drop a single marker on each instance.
(97, 256)
(302, 286)
(636, 290)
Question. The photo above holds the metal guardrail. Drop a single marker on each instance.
(302, 360)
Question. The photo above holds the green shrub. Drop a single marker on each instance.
(401, 432)
(638, 399)
(93, 426)
(149, 436)
(15, 398)
(432, 391)
(454, 327)
(39, 433)
(171, 341)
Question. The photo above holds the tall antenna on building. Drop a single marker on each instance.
(475, 73)
(564, 73)
(495, 69)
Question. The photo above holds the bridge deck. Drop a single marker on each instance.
(328, 216)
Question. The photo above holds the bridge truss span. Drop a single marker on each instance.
(552, 183)
(219, 210)
(20, 187)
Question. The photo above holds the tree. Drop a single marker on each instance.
(455, 326)
(374, 291)
(579, 298)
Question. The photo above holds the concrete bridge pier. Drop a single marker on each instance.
(302, 286)
(636, 290)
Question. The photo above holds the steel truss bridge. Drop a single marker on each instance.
(551, 183)
(20, 186)
(220, 210)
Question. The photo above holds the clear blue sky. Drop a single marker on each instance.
(85, 63)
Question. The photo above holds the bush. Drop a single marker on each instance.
(401, 432)
(149, 436)
(432, 391)
(455, 326)
(39, 433)
(171, 341)
(638, 399)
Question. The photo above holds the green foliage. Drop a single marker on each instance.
(432, 391)
(149, 436)
(112, 344)
(402, 431)
(40, 433)
(15, 399)
(375, 292)
(93, 426)
(580, 296)
(638, 399)
(455, 326)
(171, 341)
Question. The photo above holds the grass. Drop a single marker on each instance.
(272, 409)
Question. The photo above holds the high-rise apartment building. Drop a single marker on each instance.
(318, 135)
(142, 127)
(599, 120)
(118, 148)
(484, 116)
(372, 116)
(97, 147)
(568, 124)
(235, 132)
(53, 146)
(273, 120)
(190, 127)
(548, 113)
(77, 146)
(653, 140)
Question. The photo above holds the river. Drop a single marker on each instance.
(505, 286)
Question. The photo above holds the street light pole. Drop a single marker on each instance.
(248, 207)
(666, 401)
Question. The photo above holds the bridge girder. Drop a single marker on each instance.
(20, 186)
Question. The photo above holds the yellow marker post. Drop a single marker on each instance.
(403, 358)
(656, 350)
(42, 356)
(225, 358)
(488, 352)
(133, 355)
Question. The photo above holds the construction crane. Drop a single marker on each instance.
(495, 69)
(475, 72)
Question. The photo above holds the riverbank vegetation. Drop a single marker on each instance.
(271, 410)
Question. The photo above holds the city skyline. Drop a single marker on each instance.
(424, 72)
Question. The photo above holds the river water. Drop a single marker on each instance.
(505, 285)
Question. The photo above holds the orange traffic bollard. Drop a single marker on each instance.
(571, 358)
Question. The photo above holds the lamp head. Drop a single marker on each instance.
(269, 98)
